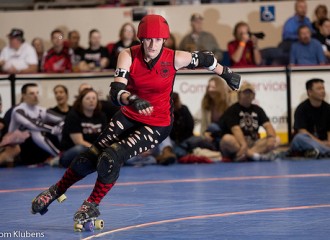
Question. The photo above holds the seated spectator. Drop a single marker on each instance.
(215, 102)
(323, 35)
(127, 39)
(244, 50)
(240, 129)
(82, 126)
(321, 12)
(37, 120)
(170, 42)
(200, 40)
(19, 56)
(38, 45)
(77, 50)
(58, 58)
(96, 57)
(7, 151)
(312, 123)
(290, 29)
(61, 96)
(307, 51)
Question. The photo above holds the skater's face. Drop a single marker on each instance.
(152, 47)
(31, 97)
(89, 102)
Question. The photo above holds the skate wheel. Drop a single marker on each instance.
(89, 226)
(99, 224)
(61, 198)
(77, 227)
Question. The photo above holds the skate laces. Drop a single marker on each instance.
(45, 198)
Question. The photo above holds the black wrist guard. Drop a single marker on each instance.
(233, 79)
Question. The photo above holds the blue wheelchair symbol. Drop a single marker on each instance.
(267, 13)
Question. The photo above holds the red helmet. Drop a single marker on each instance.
(153, 26)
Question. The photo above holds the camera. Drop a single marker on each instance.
(259, 35)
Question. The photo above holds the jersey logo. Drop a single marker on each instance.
(165, 69)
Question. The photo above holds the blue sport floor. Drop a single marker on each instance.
(244, 201)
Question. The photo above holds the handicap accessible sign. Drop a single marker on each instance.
(267, 13)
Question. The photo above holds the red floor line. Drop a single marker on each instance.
(180, 181)
(209, 216)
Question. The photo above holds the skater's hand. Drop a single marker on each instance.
(233, 79)
(140, 105)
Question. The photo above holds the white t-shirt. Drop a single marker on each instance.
(19, 59)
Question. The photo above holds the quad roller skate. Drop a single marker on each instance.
(43, 200)
(85, 218)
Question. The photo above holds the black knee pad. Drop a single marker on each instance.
(84, 163)
(109, 163)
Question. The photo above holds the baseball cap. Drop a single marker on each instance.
(196, 16)
(15, 32)
(247, 86)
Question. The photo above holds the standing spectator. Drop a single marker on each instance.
(244, 50)
(77, 50)
(199, 40)
(38, 45)
(127, 39)
(96, 57)
(214, 103)
(323, 35)
(321, 12)
(82, 126)
(58, 58)
(19, 56)
(290, 29)
(37, 120)
(62, 97)
(307, 51)
(240, 125)
(312, 123)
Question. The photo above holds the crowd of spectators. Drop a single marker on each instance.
(230, 122)
(303, 43)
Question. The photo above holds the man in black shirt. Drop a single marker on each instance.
(312, 123)
(240, 124)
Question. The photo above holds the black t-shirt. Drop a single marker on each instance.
(117, 48)
(323, 40)
(95, 55)
(183, 125)
(79, 123)
(316, 120)
(249, 119)
(58, 111)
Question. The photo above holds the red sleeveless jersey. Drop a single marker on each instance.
(154, 83)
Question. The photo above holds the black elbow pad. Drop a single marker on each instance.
(116, 90)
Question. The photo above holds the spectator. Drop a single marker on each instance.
(170, 42)
(37, 120)
(127, 39)
(61, 96)
(214, 103)
(290, 29)
(199, 40)
(38, 45)
(312, 123)
(307, 51)
(58, 58)
(321, 12)
(240, 124)
(82, 126)
(19, 56)
(96, 57)
(244, 50)
(78, 51)
(324, 37)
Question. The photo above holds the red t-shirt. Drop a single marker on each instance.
(58, 62)
(154, 83)
(247, 56)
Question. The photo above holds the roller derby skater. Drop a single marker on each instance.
(142, 86)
